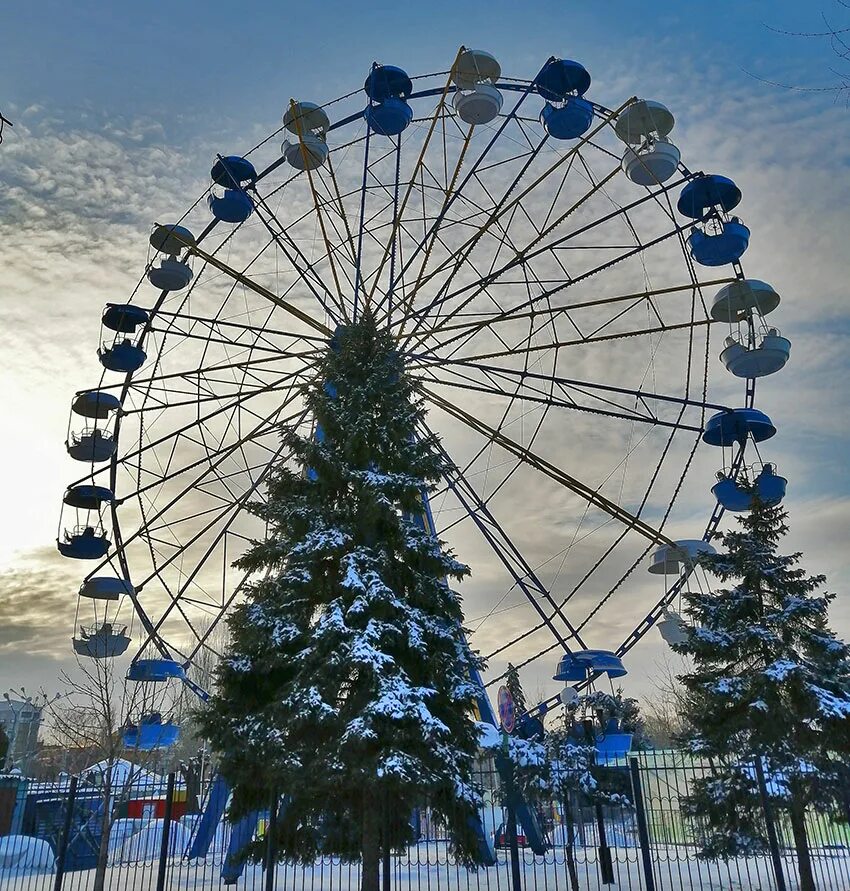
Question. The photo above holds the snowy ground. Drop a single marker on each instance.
(674, 869)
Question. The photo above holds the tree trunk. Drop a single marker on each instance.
(370, 845)
(801, 845)
(103, 846)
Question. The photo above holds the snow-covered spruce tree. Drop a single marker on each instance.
(514, 685)
(770, 681)
(573, 773)
(346, 689)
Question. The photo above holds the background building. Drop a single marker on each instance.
(21, 719)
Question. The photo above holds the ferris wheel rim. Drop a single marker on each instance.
(523, 87)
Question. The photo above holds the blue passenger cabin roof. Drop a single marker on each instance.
(387, 81)
(728, 427)
(88, 497)
(560, 78)
(155, 670)
(124, 317)
(706, 192)
(233, 171)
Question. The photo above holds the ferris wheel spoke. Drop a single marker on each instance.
(554, 310)
(541, 398)
(261, 290)
(238, 403)
(469, 291)
(646, 623)
(426, 241)
(565, 384)
(268, 425)
(508, 554)
(260, 330)
(401, 206)
(555, 473)
(504, 239)
(330, 303)
(234, 510)
(252, 367)
(505, 206)
(524, 348)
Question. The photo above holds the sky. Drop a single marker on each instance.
(118, 111)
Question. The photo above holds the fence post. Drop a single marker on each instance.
(606, 865)
(772, 839)
(513, 843)
(66, 834)
(166, 833)
(271, 843)
(642, 825)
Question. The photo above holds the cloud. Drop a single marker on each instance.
(84, 188)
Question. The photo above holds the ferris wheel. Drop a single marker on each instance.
(551, 272)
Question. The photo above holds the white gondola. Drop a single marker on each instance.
(678, 560)
(738, 300)
(106, 588)
(103, 641)
(670, 559)
(476, 100)
(650, 158)
(672, 628)
(96, 443)
(752, 349)
(309, 123)
(166, 271)
(768, 355)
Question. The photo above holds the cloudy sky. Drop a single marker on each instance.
(117, 116)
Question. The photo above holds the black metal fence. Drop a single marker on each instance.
(138, 834)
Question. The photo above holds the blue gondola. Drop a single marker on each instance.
(106, 588)
(93, 444)
(567, 121)
(234, 174)
(562, 83)
(84, 543)
(234, 206)
(769, 486)
(150, 733)
(390, 117)
(576, 667)
(706, 193)
(155, 670)
(611, 746)
(102, 642)
(87, 497)
(388, 88)
(722, 247)
(170, 273)
(123, 355)
(729, 427)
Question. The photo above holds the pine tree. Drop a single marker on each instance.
(573, 774)
(347, 686)
(770, 681)
(514, 685)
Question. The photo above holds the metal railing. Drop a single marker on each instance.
(136, 836)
